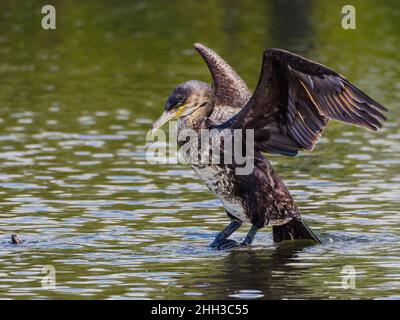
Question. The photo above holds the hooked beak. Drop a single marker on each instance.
(169, 115)
(165, 117)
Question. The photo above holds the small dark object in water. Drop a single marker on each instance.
(15, 239)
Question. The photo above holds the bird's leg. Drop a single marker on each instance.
(250, 236)
(221, 241)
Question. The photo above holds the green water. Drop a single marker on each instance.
(77, 102)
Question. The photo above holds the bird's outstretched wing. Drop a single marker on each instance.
(294, 100)
(230, 93)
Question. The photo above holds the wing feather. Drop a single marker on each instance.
(230, 92)
(294, 100)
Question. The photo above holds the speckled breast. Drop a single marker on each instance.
(218, 178)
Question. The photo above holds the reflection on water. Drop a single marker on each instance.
(75, 105)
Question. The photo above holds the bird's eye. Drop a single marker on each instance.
(178, 104)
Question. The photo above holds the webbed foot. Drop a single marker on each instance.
(227, 244)
(218, 239)
(221, 242)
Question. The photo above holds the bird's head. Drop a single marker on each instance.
(186, 98)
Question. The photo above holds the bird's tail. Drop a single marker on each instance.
(294, 229)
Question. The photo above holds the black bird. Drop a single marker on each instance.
(292, 103)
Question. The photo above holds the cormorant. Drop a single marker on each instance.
(292, 103)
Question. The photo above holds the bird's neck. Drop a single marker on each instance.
(195, 119)
(189, 123)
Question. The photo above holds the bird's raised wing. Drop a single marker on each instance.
(230, 93)
(294, 100)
